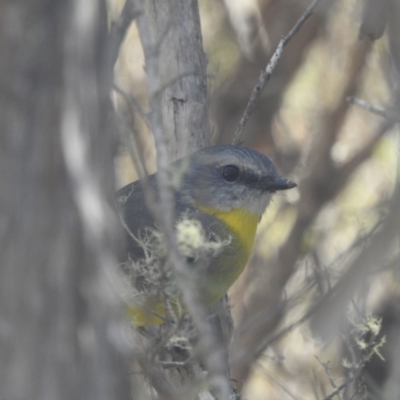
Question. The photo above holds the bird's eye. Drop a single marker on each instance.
(230, 173)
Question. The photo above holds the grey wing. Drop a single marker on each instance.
(136, 217)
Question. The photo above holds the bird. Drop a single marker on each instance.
(221, 195)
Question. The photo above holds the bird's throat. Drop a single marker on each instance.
(241, 222)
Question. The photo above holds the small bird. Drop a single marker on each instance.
(219, 200)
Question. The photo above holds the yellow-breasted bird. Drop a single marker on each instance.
(222, 193)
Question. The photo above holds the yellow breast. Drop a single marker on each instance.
(242, 223)
(242, 226)
(228, 267)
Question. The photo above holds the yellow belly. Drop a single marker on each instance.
(219, 278)
(242, 223)
(225, 272)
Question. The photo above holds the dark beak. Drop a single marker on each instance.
(277, 184)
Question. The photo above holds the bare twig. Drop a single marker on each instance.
(340, 388)
(131, 143)
(266, 75)
(119, 29)
(374, 109)
(327, 369)
(132, 101)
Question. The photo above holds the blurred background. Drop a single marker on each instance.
(322, 288)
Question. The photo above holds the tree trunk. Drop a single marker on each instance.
(173, 29)
(60, 326)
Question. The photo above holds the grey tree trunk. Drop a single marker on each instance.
(174, 28)
(175, 63)
(60, 323)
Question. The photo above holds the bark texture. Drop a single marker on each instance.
(174, 30)
(60, 326)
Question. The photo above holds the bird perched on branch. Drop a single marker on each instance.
(220, 194)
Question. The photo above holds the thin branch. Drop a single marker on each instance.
(118, 30)
(327, 369)
(132, 144)
(266, 75)
(374, 109)
(340, 388)
(133, 102)
(174, 364)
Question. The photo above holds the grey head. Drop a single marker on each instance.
(229, 177)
